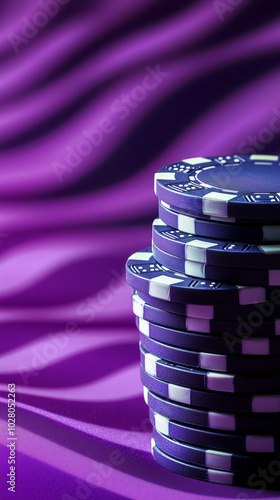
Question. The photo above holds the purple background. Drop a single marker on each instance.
(68, 338)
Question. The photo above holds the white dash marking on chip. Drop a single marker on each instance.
(144, 327)
(151, 364)
(196, 250)
(138, 306)
(159, 286)
(216, 204)
(166, 176)
(218, 476)
(180, 394)
(186, 223)
(197, 160)
(161, 424)
(218, 460)
(256, 346)
(220, 382)
(264, 157)
(141, 256)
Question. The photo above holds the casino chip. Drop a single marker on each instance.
(226, 187)
(251, 316)
(212, 459)
(210, 361)
(207, 474)
(144, 273)
(262, 423)
(254, 277)
(214, 252)
(231, 331)
(247, 233)
(220, 401)
(222, 441)
(208, 381)
(207, 304)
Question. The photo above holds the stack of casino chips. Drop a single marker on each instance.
(207, 304)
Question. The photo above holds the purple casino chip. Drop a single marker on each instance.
(255, 403)
(223, 441)
(235, 335)
(206, 381)
(261, 423)
(248, 233)
(254, 277)
(211, 361)
(235, 187)
(215, 252)
(212, 459)
(250, 317)
(144, 273)
(203, 473)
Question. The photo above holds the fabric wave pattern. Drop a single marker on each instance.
(95, 98)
